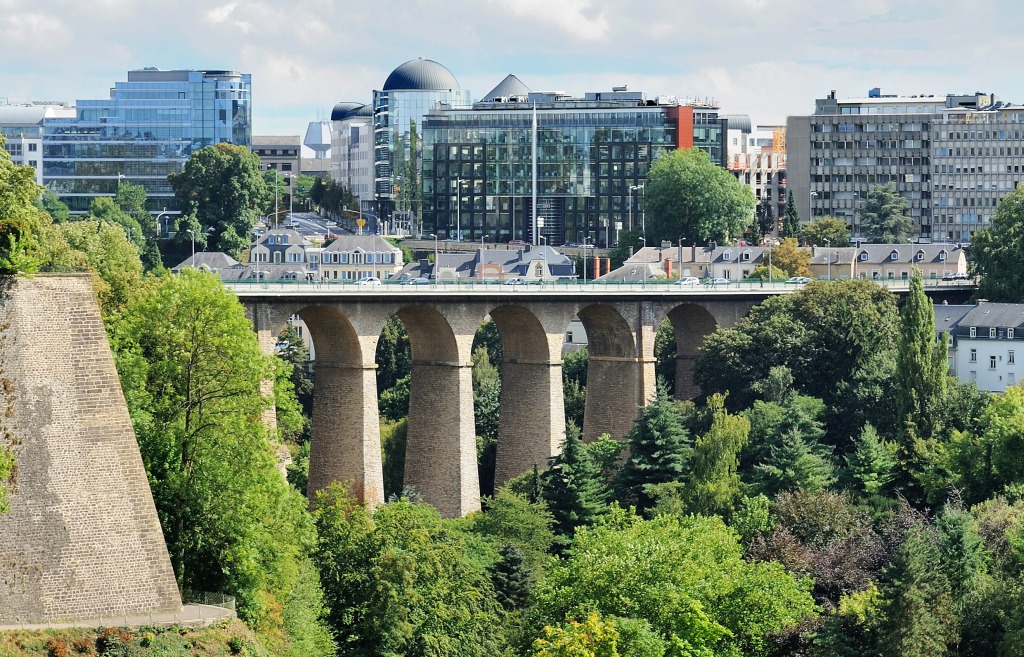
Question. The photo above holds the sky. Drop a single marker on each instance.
(765, 58)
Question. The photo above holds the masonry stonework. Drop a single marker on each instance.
(82, 538)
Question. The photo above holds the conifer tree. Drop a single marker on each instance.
(920, 362)
(916, 611)
(796, 463)
(511, 578)
(871, 464)
(572, 486)
(791, 223)
(659, 451)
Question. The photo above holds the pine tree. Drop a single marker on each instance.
(796, 463)
(511, 578)
(882, 216)
(916, 609)
(872, 464)
(572, 486)
(791, 224)
(659, 451)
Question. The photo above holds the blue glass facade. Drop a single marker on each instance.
(146, 130)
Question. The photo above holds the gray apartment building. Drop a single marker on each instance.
(951, 157)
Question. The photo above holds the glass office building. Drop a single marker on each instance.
(145, 131)
(593, 155)
(409, 93)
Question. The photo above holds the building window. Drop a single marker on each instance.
(895, 255)
(974, 355)
(974, 375)
(32, 148)
(727, 256)
(992, 332)
(974, 331)
(1009, 334)
(568, 336)
(991, 362)
(1009, 358)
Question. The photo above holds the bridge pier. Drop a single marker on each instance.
(440, 453)
(532, 421)
(346, 432)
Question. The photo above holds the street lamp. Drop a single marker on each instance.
(810, 205)
(193, 236)
(544, 255)
(458, 209)
(629, 202)
(434, 235)
(167, 230)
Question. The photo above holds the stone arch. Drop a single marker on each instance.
(690, 324)
(615, 382)
(440, 455)
(531, 424)
(345, 443)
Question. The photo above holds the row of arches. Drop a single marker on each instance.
(441, 460)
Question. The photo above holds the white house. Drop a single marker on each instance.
(988, 344)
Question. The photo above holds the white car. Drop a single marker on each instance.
(370, 281)
(689, 281)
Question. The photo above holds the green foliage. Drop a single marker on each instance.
(572, 486)
(486, 394)
(393, 435)
(291, 349)
(511, 579)
(221, 187)
(574, 385)
(511, 519)
(393, 357)
(298, 470)
(397, 582)
(791, 220)
(98, 247)
(921, 366)
(767, 273)
(684, 576)
(51, 204)
(665, 356)
(796, 463)
(6, 470)
(191, 369)
(882, 216)
(752, 518)
(995, 252)
(606, 452)
(687, 194)
(846, 329)
(871, 466)
(916, 607)
(826, 231)
(714, 484)
(660, 450)
(20, 219)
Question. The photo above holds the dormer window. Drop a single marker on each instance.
(727, 256)
(895, 255)
(942, 255)
(974, 331)
(745, 256)
(992, 332)
(863, 256)
(919, 256)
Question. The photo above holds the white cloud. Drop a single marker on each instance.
(31, 28)
(574, 17)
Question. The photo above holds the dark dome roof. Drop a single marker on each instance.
(421, 74)
(344, 111)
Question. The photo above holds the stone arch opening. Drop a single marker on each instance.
(615, 382)
(690, 324)
(440, 453)
(531, 426)
(345, 440)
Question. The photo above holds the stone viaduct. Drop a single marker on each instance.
(345, 325)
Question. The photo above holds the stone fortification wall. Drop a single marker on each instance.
(82, 538)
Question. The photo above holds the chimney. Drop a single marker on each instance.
(668, 268)
(607, 265)
(596, 267)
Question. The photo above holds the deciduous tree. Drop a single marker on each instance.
(996, 252)
(687, 194)
(827, 231)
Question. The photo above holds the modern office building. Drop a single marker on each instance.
(21, 126)
(593, 155)
(283, 155)
(757, 157)
(145, 130)
(951, 158)
(352, 150)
